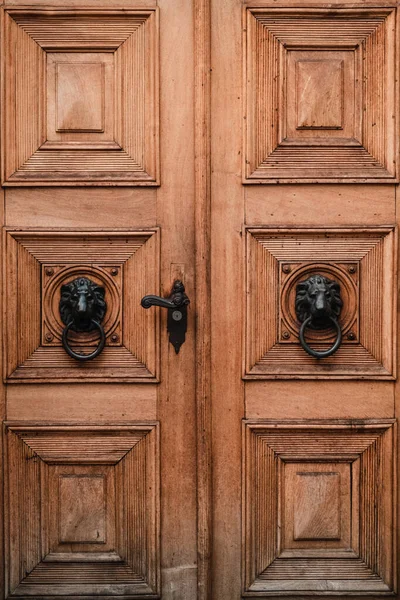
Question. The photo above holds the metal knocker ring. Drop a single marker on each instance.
(83, 357)
(325, 353)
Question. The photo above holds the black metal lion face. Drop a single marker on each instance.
(82, 301)
(319, 298)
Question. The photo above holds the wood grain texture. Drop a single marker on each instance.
(102, 402)
(33, 357)
(82, 510)
(360, 145)
(227, 217)
(121, 148)
(357, 556)
(202, 24)
(62, 207)
(357, 399)
(80, 96)
(176, 218)
(343, 205)
(368, 301)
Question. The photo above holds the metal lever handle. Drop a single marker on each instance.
(176, 304)
(148, 301)
(82, 308)
(318, 306)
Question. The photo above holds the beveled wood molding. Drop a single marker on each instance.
(362, 260)
(320, 95)
(81, 97)
(38, 262)
(344, 542)
(58, 545)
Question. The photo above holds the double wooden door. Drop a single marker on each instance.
(241, 148)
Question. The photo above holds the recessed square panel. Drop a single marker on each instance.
(82, 97)
(318, 507)
(361, 262)
(82, 510)
(40, 263)
(320, 92)
(324, 95)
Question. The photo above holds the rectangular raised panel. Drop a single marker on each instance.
(82, 510)
(317, 510)
(82, 97)
(362, 261)
(320, 95)
(318, 507)
(39, 263)
(80, 101)
(322, 99)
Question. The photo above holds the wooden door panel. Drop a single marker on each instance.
(82, 510)
(318, 485)
(312, 112)
(362, 261)
(81, 91)
(39, 263)
(318, 507)
(98, 173)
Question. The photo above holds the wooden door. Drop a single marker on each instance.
(304, 130)
(98, 184)
(240, 147)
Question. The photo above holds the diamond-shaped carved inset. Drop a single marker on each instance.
(39, 263)
(82, 97)
(320, 95)
(318, 508)
(361, 261)
(82, 510)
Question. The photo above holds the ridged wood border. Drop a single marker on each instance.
(373, 250)
(31, 159)
(33, 565)
(371, 444)
(135, 253)
(202, 29)
(271, 157)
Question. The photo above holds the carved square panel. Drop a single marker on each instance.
(320, 95)
(319, 507)
(82, 510)
(361, 261)
(81, 91)
(39, 263)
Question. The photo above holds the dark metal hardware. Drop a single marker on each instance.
(318, 306)
(82, 309)
(176, 304)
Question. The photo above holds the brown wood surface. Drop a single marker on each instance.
(297, 511)
(239, 146)
(115, 518)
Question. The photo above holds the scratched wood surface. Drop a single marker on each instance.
(314, 447)
(100, 458)
(235, 145)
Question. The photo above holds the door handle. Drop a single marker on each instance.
(318, 306)
(176, 304)
(82, 309)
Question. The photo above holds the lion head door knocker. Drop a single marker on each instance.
(318, 306)
(82, 309)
